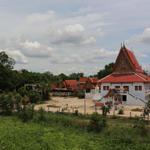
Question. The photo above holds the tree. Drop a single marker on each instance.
(6, 61)
(146, 109)
(6, 66)
(104, 72)
(34, 96)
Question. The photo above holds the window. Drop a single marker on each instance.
(88, 90)
(126, 88)
(138, 88)
(117, 88)
(105, 88)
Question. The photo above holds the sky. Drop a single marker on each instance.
(65, 36)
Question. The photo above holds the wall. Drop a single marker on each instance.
(91, 94)
(130, 99)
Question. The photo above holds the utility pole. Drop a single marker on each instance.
(84, 103)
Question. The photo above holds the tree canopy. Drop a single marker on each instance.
(106, 71)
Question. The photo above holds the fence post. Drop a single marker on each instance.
(130, 115)
(114, 113)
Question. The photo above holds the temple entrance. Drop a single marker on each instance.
(124, 99)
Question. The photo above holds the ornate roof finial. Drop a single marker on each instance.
(121, 44)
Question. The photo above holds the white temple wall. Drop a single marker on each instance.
(91, 94)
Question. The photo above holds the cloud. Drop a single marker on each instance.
(71, 34)
(144, 38)
(98, 32)
(39, 17)
(100, 55)
(17, 55)
(84, 10)
(35, 49)
(138, 54)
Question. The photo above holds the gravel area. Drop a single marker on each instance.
(75, 103)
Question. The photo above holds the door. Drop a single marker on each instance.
(124, 99)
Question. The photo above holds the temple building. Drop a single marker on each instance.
(127, 78)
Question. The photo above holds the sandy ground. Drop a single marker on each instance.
(75, 103)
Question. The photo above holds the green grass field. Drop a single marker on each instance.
(57, 132)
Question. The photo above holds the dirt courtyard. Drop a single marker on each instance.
(75, 103)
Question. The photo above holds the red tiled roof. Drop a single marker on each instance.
(99, 104)
(64, 84)
(134, 61)
(74, 86)
(81, 86)
(144, 76)
(114, 78)
(93, 80)
(71, 82)
(82, 79)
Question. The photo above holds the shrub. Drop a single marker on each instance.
(26, 113)
(80, 95)
(97, 122)
(41, 113)
(7, 103)
(22, 91)
(75, 94)
(18, 102)
(76, 112)
(121, 111)
(34, 96)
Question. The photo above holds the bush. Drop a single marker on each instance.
(75, 94)
(7, 103)
(121, 111)
(41, 113)
(18, 102)
(76, 112)
(80, 95)
(22, 91)
(26, 113)
(34, 96)
(97, 122)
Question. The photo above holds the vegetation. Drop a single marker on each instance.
(136, 109)
(61, 131)
(121, 111)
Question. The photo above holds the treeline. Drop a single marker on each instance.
(13, 80)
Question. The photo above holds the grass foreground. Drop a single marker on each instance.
(62, 132)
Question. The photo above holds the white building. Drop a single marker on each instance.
(128, 79)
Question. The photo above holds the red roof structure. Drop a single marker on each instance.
(129, 71)
(83, 80)
(116, 78)
(130, 60)
(133, 61)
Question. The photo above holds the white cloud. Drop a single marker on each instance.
(71, 34)
(35, 49)
(17, 55)
(99, 32)
(138, 54)
(100, 55)
(39, 17)
(84, 10)
(144, 38)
